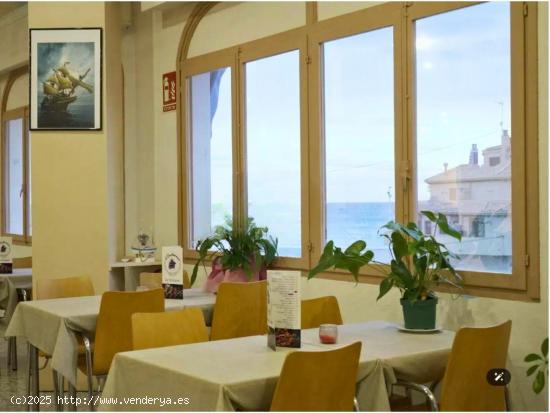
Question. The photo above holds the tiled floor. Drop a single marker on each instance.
(13, 383)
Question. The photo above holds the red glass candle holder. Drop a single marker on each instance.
(328, 333)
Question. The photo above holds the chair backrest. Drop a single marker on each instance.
(318, 380)
(23, 262)
(153, 280)
(475, 351)
(114, 323)
(240, 310)
(322, 310)
(170, 328)
(47, 288)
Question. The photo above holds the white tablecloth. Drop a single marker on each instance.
(46, 324)
(19, 278)
(242, 373)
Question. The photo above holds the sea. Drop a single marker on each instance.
(79, 115)
(346, 223)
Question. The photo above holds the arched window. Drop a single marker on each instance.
(15, 155)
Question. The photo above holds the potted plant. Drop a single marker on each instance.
(540, 366)
(419, 262)
(237, 254)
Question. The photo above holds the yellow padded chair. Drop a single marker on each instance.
(318, 380)
(50, 288)
(240, 310)
(464, 387)
(322, 310)
(114, 328)
(63, 287)
(153, 280)
(23, 262)
(171, 328)
(475, 351)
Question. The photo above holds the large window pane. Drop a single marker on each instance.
(463, 130)
(273, 148)
(211, 152)
(14, 177)
(359, 138)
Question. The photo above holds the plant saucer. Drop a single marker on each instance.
(419, 330)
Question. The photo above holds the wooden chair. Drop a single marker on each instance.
(475, 351)
(153, 280)
(150, 330)
(24, 262)
(50, 288)
(318, 380)
(240, 310)
(322, 310)
(114, 329)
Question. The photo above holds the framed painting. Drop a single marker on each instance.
(65, 79)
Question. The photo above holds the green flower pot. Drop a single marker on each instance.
(420, 314)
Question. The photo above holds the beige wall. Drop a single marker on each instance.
(71, 169)
(358, 302)
(14, 45)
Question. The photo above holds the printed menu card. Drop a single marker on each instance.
(283, 309)
(172, 272)
(6, 263)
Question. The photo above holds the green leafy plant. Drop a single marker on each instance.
(419, 262)
(249, 248)
(540, 366)
(351, 259)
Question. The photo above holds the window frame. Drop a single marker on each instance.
(374, 18)
(12, 114)
(521, 80)
(524, 282)
(261, 49)
(196, 66)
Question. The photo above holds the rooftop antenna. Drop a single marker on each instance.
(501, 115)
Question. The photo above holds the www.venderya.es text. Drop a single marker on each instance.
(98, 400)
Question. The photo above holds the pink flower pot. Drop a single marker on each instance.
(219, 275)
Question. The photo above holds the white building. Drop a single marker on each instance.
(477, 201)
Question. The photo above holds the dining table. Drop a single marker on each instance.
(50, 326)
(241, 373)
(19, 279)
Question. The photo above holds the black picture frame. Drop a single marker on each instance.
(46, 111)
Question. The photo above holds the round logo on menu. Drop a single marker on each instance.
(5, 249)
(172, 263)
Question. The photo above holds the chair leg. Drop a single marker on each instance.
(507, 399)
(9, 352)
(13, 354)
(61, 387)
(72, 397)
(29, 374)
(422, 389)
(55, 379)
(356, 405)
(89, 375)
(33, 383)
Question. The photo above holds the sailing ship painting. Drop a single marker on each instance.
(65, 83)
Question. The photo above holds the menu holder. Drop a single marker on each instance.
(6, 259)
(283, 309)
(172, 272)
